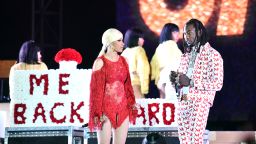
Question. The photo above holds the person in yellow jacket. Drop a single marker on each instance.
(30, 58)
(165, 59)
(137, 60)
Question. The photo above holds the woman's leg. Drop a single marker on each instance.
(137, 91)
(184, 112)
(120, 134)
(104, 135)
(199, 121)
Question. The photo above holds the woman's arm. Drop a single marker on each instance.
(97, 86)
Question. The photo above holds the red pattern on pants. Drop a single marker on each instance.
(192, 119)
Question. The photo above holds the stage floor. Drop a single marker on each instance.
(214, 137)
(79, 135)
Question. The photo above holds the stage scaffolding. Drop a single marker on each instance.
(47, 24)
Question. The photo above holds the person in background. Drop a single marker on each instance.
(166, 58)
(29, 58)
(137, 61)
(199, 76)
(112, 101)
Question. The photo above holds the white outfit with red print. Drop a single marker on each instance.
(207, 76)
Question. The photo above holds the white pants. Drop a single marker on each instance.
(192, 119)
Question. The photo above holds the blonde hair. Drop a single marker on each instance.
(109, 36)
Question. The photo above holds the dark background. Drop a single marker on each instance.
(84, 22)
(83, 25)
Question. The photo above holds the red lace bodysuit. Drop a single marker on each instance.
(111, 94)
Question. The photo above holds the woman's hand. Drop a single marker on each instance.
(135, 109)
(98, 120)
(135, 106)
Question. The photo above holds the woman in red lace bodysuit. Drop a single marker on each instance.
(112, 102)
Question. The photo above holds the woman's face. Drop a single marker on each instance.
(190, 35)
(118, 45)
(141, 42)
(39, 56)
(175, 36)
